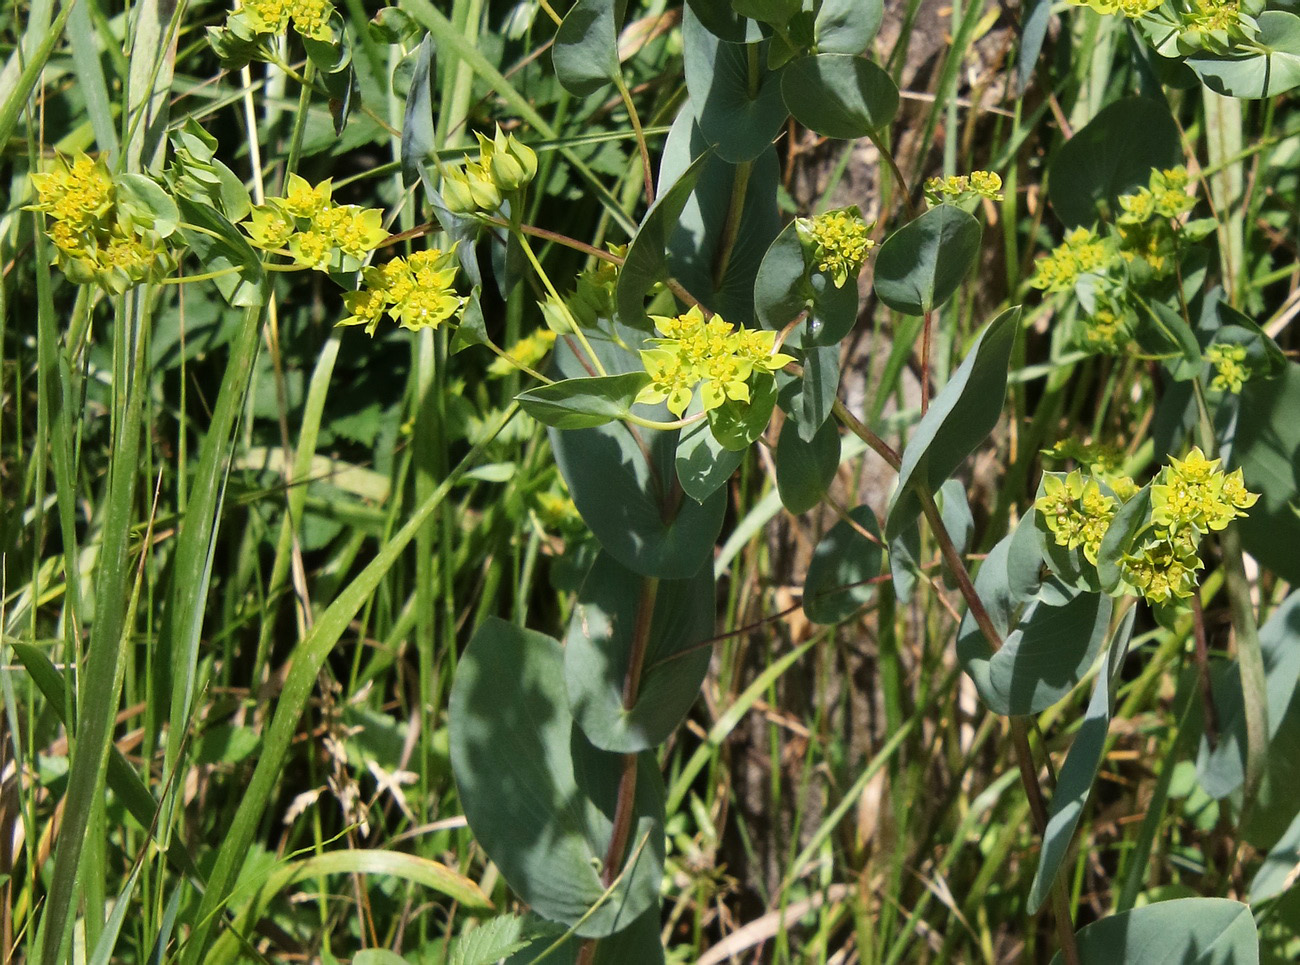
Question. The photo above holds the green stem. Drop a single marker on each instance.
(550, 288)
(635, 118)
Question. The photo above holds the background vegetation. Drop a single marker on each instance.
(837, 794)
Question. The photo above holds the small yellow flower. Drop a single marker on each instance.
(311, 19)
(670, 380)
(269, 229)
(304, 201)
(310, 248)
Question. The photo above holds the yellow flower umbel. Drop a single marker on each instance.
(961, 187)
(1189, 498)
(529, 351)
(416, 292)
(1082, 252)
(1076, 512)
(269, 18)
(1194, 494)
(1230, 369)
(1133, 9)
(710, 354)
(837, 242)
(97, 240)
(317, 233)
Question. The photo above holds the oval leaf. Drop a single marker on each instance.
(539, 801)
(703, 463)
(601, 638)
(839, 95)
(804, 470)
(1044, 655)
(738, 126)
(1112, 155)
(585, 54)
(583, 403)
(842, 564)
(1186, 931)
(1266, 71)
(921, 264)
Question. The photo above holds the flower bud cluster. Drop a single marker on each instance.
(709, 354)
(318, 233)
(415, 291)
(1189, 498)
(1230, 369)
(504, 166)
(962, 187)
(837, 242)
(100, 236)
(591, 300)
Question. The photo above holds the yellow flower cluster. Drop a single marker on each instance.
(1076, 511)
(1108, 329)
(97, 240)
(1133, 9)
(959, 187)
(1189, 498)
(415, 291)
(318, 233)
(1217, 25)
(1082, 252)
(1230, 369)
(528, 351)
(709, 354)
(310, 18)
(1193, 493)
(504, 166)
(837, 242)
(1147, 221)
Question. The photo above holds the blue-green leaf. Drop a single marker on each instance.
(1186, 931)
(921, 264)
(585, 53)
(960, 418)
(600, 642)
(842, 565)
(839, 95)
(539, 798)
